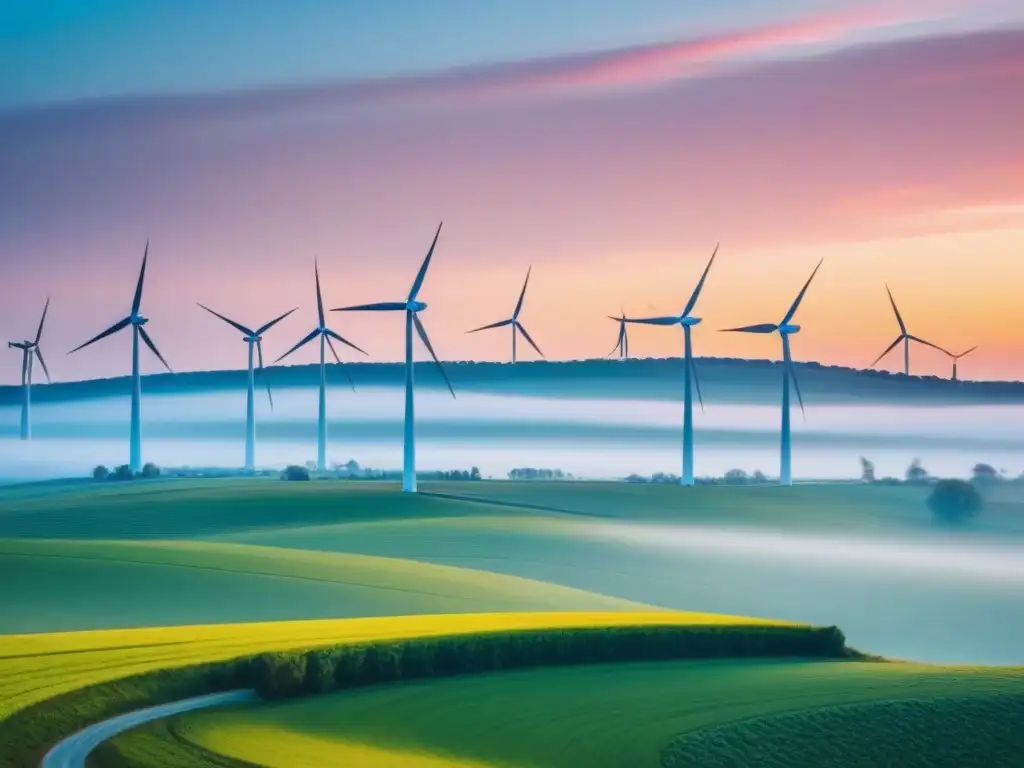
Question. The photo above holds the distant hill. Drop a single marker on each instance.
(721, 379)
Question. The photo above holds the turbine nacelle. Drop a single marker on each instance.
(138, 320)
(688, 321)
(788, 328)
(252, 339)
(415, 306)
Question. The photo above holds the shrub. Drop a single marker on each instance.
(123, 472)
(916, 473)
(984, 473)
(954, 501)
(736, 477)
(100, 472)
(295, 673)
(150, 470)
(295, 472)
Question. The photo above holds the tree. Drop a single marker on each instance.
(916, 473)
(867, 470)
(352, 467)
(985, 473)
(736, 477)
(474, 473)
(759, 477)
(100, 473)
(150, 470)
(123, 472)
(311, 465)
(295, 472)
(954, 501)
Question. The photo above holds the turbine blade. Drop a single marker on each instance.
(338, 359)
(39, 332)
(332, 335)
(418, 283)
(696, 383)
(796, 386)
(152, 347)
(670, 320)
(227, 320)
(899, 317)
(800, 296)
(112, 329)
(700, 285)
(761, 328)
(267, 326)
(919, 340)
(498, 324)
(888, 349)
(319, 297)
(380, 306)
(42, 362)
(262, 372)
(426, 342)
(964, 354)
(137, 301)
(522, 294)
(526, 336)
(312, 335)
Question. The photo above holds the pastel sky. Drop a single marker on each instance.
(610, 144)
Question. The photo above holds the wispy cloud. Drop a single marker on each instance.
(619, 68)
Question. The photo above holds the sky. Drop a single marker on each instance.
(609, 144)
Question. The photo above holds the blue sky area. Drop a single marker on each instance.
(61, 50)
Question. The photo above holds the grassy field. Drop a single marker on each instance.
(54, 684)
(36, 667)
(66, 585)
(200, 508)
(628, 716)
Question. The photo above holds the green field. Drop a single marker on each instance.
(199, 508)
(496, 556)
(67, 585)
(628, 715)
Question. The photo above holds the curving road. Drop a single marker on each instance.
(72, 751)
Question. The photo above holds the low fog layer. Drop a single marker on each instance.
(590, 438)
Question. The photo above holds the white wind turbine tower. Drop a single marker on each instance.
(254, 340)
(513, 321)
(686, 321)
(325, 335)
(956, 359)
(785, 329)
(29, 352)
(411, 307)
(905, 337)
(136, 321)
(622, 343)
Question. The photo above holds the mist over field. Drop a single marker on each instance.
(596, 438)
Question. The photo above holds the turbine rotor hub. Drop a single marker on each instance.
(138, 320)
(789, 328)
(689, 321)
(416, 306)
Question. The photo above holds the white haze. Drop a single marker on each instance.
(620, 437)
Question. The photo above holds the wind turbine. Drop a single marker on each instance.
(686, 321)
(254, 339)
(785, 329)
(325, 334)
(514, 322)
(412, 307)
(136, 321)
(906, 337)
(29, 352)
(956, 358)
(622, 344)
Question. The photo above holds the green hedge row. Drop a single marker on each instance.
(279, 675)
(27, 734)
